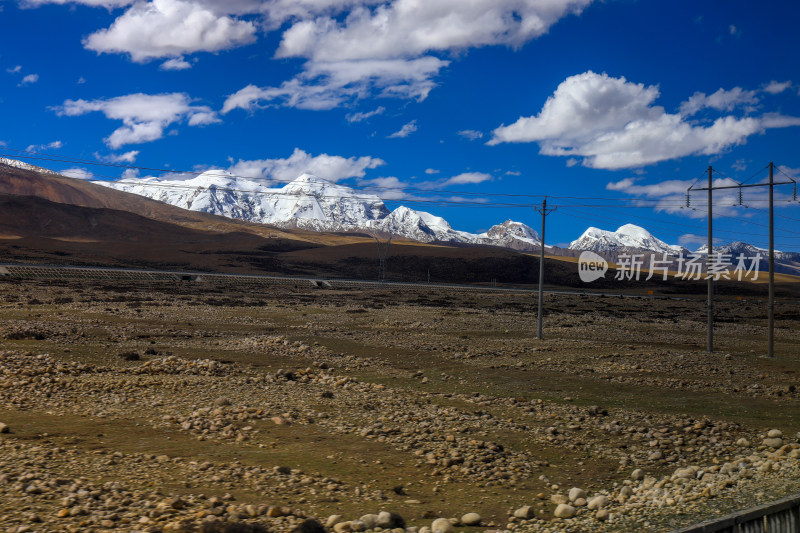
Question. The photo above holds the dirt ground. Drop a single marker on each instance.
(178, 407)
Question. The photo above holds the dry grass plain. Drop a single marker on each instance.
(253, 405)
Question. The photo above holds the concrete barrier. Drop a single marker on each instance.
(782, 516)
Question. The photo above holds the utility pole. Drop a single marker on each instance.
(383, 252)
(544, 211)
(771, 305)
(710, 304)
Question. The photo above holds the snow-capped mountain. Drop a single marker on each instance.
(514, 235)
(25, 166)
(308, 202)
(627, 236)
(421, 226)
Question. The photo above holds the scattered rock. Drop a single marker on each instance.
(564, 510)
(471, 519)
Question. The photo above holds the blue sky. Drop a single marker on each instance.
(470, 107)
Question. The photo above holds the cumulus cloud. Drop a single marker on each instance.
(472, 135)
(670, 196)
(170, 28)
(144, 116)
(328, 85)
(410, 28)
(469, 177)
(721, 100)
(55, 145)
(30, 78)
(776, 87)
(329, 167)
(127, 157)
(355, 49)
(176, 63)
(77, 173)
(613, 123)
(405, 131)
(364, 115)
(108, 4)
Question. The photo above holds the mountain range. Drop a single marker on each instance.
(313, 204)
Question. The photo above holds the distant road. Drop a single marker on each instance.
(62, 272)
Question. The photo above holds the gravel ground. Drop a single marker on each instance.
(192, 408)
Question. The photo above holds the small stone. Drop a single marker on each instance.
(598, 502)
(775, 442)
(580, 502)
(388, 520)
(333, 520)
(743, 442)
(471, 519)
(637, 474)
(442, 525)
(601, 515)
(564, 511)
(558, 499)
(525, 512)
(656, 455)
(63, 513)
(369, 521)
(775, 434)
(4, 428)
(274, 512)
(342, 527)
(221, 402)
(575, 493)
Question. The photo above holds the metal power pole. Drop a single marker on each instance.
(544, 211)
(771, 305)
(710, 306)
(771, 308)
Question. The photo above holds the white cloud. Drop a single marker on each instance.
(431, 171)
(144, 116)
(613, 123)
(472, 135)
(109, 4)
(410, 28)
(81, 80)
(55, 145)
(670, 196)
(329, 167)
(170, 28)
(14, 70)
(77, 173)
(30, 78)
(469, 177)
(127, 157)
(405, 131)
(176, 63)
(721, 100)
(361, 48)
(329, 85)
(361, 116)
(776, 87)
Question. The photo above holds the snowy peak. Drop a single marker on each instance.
(627, 236)
(25, 166)
(309, 202)
(514, 230)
